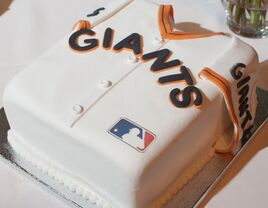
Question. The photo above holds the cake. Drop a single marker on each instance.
(126, 109)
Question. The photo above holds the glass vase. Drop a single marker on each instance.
(248, 18)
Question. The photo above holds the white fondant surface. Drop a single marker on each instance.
(58, 111)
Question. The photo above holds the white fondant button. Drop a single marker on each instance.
(105, 83)
(77, 109)
(159, 40)
(132, 59)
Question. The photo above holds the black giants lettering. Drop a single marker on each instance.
(133, 43)
(96, 12)
(161, 63)
(92, 43)
(243, 87)
(186, 96)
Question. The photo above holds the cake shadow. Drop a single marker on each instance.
(4, 6)
(263, 75)
(191, 27)
(257, 143)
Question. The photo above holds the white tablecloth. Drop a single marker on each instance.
(30, 27)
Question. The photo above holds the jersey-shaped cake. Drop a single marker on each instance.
(127, 108)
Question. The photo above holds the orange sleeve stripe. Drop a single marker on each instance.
(223, 85)
(168, 11)
(165, 27)
(179, 36)
(160, 21)
(81, 24)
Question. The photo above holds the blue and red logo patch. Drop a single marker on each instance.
(132, 134)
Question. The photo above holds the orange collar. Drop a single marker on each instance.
(165, 12)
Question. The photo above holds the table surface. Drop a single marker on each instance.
(30, 27)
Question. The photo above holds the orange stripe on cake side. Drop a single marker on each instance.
(224, 87)
(165, 27)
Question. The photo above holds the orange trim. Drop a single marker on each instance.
(81, 24)
(165, 27)
(223, 85)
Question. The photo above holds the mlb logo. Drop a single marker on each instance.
(132, 134)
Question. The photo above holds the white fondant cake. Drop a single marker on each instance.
(126, 126)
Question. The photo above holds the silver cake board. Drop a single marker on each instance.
(191, 195)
